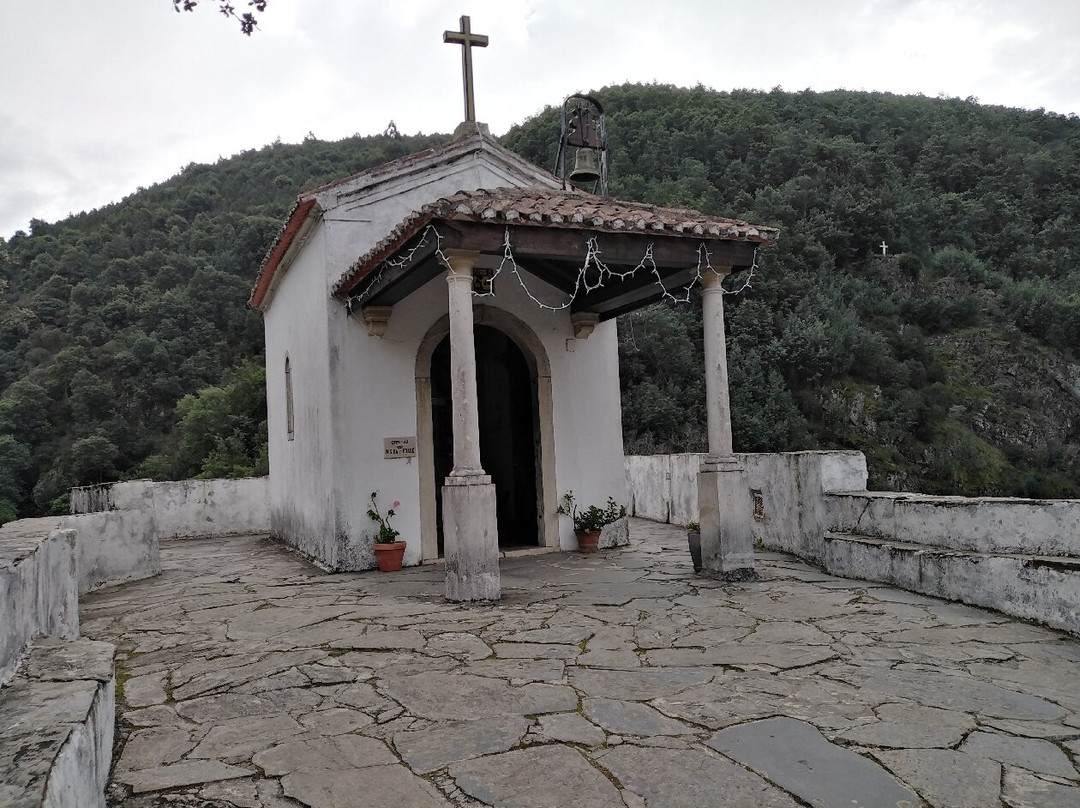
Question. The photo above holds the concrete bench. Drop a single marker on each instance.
(1036, 587)
(56, 726)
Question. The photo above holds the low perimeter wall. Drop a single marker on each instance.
(786, 493)
(1042, 527)
(1018, 556)
(38, 587)
(186, 507)
(121, 525)
(57, 692)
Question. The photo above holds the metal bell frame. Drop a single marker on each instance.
(583, 129)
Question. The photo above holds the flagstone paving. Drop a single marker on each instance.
(248, 678)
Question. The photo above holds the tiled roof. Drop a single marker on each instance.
(558, 209)
(578, 210)
(281, 245)
(468, 139)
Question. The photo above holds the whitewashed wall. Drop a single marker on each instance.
(792, 516)
(1019, 556)
(301, 481)
(38, 587)
(184, 507)
(120, 540)
(979, 524)
(114, 547)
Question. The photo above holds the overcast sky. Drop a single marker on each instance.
(100, 97)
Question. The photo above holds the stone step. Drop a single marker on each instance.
(56, 726)
(1042, 588)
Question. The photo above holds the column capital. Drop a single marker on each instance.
(461, 263)
(376, 318)
(584, 323)
(712, 278)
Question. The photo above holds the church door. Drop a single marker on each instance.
(509, 434)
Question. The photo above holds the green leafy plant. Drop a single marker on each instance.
(693, 527)
(387, 534)
(592, 518)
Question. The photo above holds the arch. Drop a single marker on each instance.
(540, 367)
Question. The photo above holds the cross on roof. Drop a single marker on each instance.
(884, 247)
(468, 40)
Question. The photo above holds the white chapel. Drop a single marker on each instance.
(441, 330)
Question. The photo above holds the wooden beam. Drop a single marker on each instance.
(377, 283)
(555, 255)
(623, 249)
(626, 296)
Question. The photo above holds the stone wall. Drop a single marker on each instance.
(1041, 588)
(113, 547)
(984, 524)
(57, 692)
(38, 587)
(120, 525)
(57, 722)
(1018, 556)
(789, 511)
(185, 507)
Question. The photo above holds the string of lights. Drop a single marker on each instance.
(590, 277)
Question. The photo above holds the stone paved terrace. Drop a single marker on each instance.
(249, 678)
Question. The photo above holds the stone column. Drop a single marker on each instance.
(470, 532)
(727, 547)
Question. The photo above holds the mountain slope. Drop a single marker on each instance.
(952, 360)
(109, 318)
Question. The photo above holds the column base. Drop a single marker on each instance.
(727, 545)
(470, 539)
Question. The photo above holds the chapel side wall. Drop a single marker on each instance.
(301, 469)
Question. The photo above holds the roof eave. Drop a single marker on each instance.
(281, 253)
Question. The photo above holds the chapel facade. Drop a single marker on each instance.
(441, 330)
(345, 375)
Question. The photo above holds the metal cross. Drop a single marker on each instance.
(467, 39)
(884, 247)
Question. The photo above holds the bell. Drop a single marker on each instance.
(585, 168)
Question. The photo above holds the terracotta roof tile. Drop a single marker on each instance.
(281, 245)
(536, 207)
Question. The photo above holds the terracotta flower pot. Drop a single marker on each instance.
(587, 540)
(389, 555)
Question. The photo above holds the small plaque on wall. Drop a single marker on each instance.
(395, 448)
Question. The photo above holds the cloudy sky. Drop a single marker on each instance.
(100, 97)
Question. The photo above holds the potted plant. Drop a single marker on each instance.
(388, 550)
(693, 538)
(588, 522)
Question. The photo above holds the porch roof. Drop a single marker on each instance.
(552, 234)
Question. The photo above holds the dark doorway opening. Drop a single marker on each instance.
(508, 412)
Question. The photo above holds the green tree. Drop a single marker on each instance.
(93, 459)
(14, 462)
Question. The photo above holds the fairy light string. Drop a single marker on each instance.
(591, 276)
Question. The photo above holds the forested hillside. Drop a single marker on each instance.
(952, 361)
(109, 319)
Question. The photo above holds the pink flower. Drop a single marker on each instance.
(397, 503)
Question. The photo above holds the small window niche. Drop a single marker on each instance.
(290, 421)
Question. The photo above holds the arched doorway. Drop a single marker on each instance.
(509, 432)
